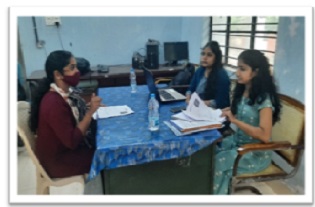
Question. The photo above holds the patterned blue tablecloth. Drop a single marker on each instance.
(126, 140)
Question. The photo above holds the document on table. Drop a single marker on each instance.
(197, 117)
(179, 132)
(111, 111)
(197, 110)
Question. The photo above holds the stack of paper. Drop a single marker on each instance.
(111, 111)
(197, 117)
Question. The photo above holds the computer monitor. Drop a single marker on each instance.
(175, 51)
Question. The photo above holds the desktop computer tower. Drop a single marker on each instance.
(152, 61)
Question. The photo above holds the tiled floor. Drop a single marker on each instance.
(27, 180)
(27, 183)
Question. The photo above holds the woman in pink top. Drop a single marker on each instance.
(61, 119)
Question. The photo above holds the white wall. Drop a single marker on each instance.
(106, 40)
(289, 69)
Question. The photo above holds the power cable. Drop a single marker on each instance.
(60, 40)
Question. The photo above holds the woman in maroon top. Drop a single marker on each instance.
(61, 124)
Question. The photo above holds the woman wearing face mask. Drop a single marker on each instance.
(61, 120)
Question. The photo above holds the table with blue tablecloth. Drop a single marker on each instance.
(135, 160)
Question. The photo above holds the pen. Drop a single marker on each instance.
(125, 111)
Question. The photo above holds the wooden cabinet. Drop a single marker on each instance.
(118, 75)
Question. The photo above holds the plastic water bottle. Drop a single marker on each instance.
(153, 106)
(133, 81)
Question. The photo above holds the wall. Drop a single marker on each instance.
(112, 40)
(289, 58)
(192, 30)
(289, 68)
(106, 40)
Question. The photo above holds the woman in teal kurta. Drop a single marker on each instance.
(255, 108)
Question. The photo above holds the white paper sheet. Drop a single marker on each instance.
(179, 133)
(111, 111)
(193, 124)
(197, 110)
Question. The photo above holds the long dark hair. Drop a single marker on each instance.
(217, 65)
(262, 84)
(56, 60)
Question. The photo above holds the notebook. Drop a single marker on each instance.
(162, 94)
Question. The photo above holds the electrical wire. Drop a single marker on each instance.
(145, 51)
(58, 31)
(35, 29)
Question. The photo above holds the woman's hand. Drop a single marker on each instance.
(228, 114)
(207, 102)
(188, 98)
(95, 103)
(88, 105)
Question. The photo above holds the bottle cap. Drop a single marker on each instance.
(152, 95)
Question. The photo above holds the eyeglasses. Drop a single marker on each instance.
(70, 67)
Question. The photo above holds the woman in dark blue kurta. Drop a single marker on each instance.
(255, 108)
(210, 80)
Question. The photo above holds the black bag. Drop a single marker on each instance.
(83, 65)
(183, 78)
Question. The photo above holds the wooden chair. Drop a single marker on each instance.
(43, 179)
(287, 142)
(180, 88)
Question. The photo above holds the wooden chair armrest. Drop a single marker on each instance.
(264, 146)
(162, 79)
(168, 79)
(179, 86)
(260, 146)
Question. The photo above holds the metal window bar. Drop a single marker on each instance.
(271, 37)
(235, 67)
(239, 48)
(268, 23)
(257, 32)
(210, 26)
(227, 39)
(252, 34)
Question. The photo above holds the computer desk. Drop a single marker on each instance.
(118, 75)
(134, 160)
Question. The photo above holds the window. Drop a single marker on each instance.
(238, 33)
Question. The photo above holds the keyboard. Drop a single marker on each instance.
(166, 95)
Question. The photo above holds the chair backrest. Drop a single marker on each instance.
(290, 128)
(28, 136)
(33, 86)
(183, 78)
